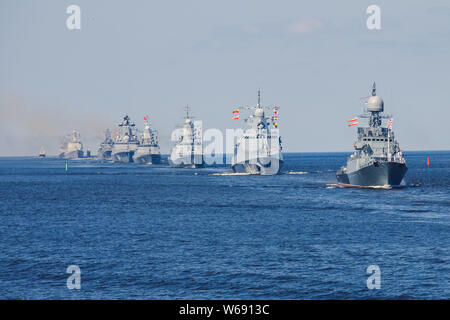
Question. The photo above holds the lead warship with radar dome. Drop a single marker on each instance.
(258, 150)
(377, 160)
(126, 142)
(148, 150)
(188, 150)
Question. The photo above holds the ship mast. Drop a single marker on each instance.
(259, 99)
(186, 108)
(388, 144)
(375, 119)
(192, 134)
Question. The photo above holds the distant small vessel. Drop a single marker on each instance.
(148, 150)
(377, 160)
(71, 149)
(105, 149)
(188, 150)
(42, 153)
(258, 150)
(126, 142)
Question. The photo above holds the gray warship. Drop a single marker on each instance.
(188, 150)
(258, 150)
(148, 150)
(377, 160)
(71, 149)
(105, 149)
(126, 142)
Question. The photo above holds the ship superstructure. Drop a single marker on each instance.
(148, 150)
(125, 142)
(105, 149)
(72, 148)
(377, 160)
(188, 150)
(258, 150)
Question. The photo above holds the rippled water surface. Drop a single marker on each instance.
(154, 232)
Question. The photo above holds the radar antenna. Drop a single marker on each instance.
(374, 90)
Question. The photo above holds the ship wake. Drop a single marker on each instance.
(298, 172)
(232, 174)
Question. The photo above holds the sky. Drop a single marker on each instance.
(313, 59)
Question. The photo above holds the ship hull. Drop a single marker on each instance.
(188, 162)
(382, 174)
(265, 166)
(77, 154)
(123, 152)
(147, 159)
(123, 157)
(104, 154)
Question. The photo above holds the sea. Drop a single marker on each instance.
(155, 232)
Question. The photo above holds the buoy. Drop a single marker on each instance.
(67, 166)
(428, 161)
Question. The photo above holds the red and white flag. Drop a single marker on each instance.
(389, 124)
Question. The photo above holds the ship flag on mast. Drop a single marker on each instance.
(389, 124)
(353, 122)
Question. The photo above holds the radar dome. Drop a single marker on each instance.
(259, 112)
(375, 104)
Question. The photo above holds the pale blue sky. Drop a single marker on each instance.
(314, 59)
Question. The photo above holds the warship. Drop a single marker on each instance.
(42, 153)
(258, 150)
(377, 160)
(71, 149)
(125, 142)
(188, 150)
(105, 149)
(148, 150)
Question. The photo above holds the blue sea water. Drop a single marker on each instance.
(154, 232)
